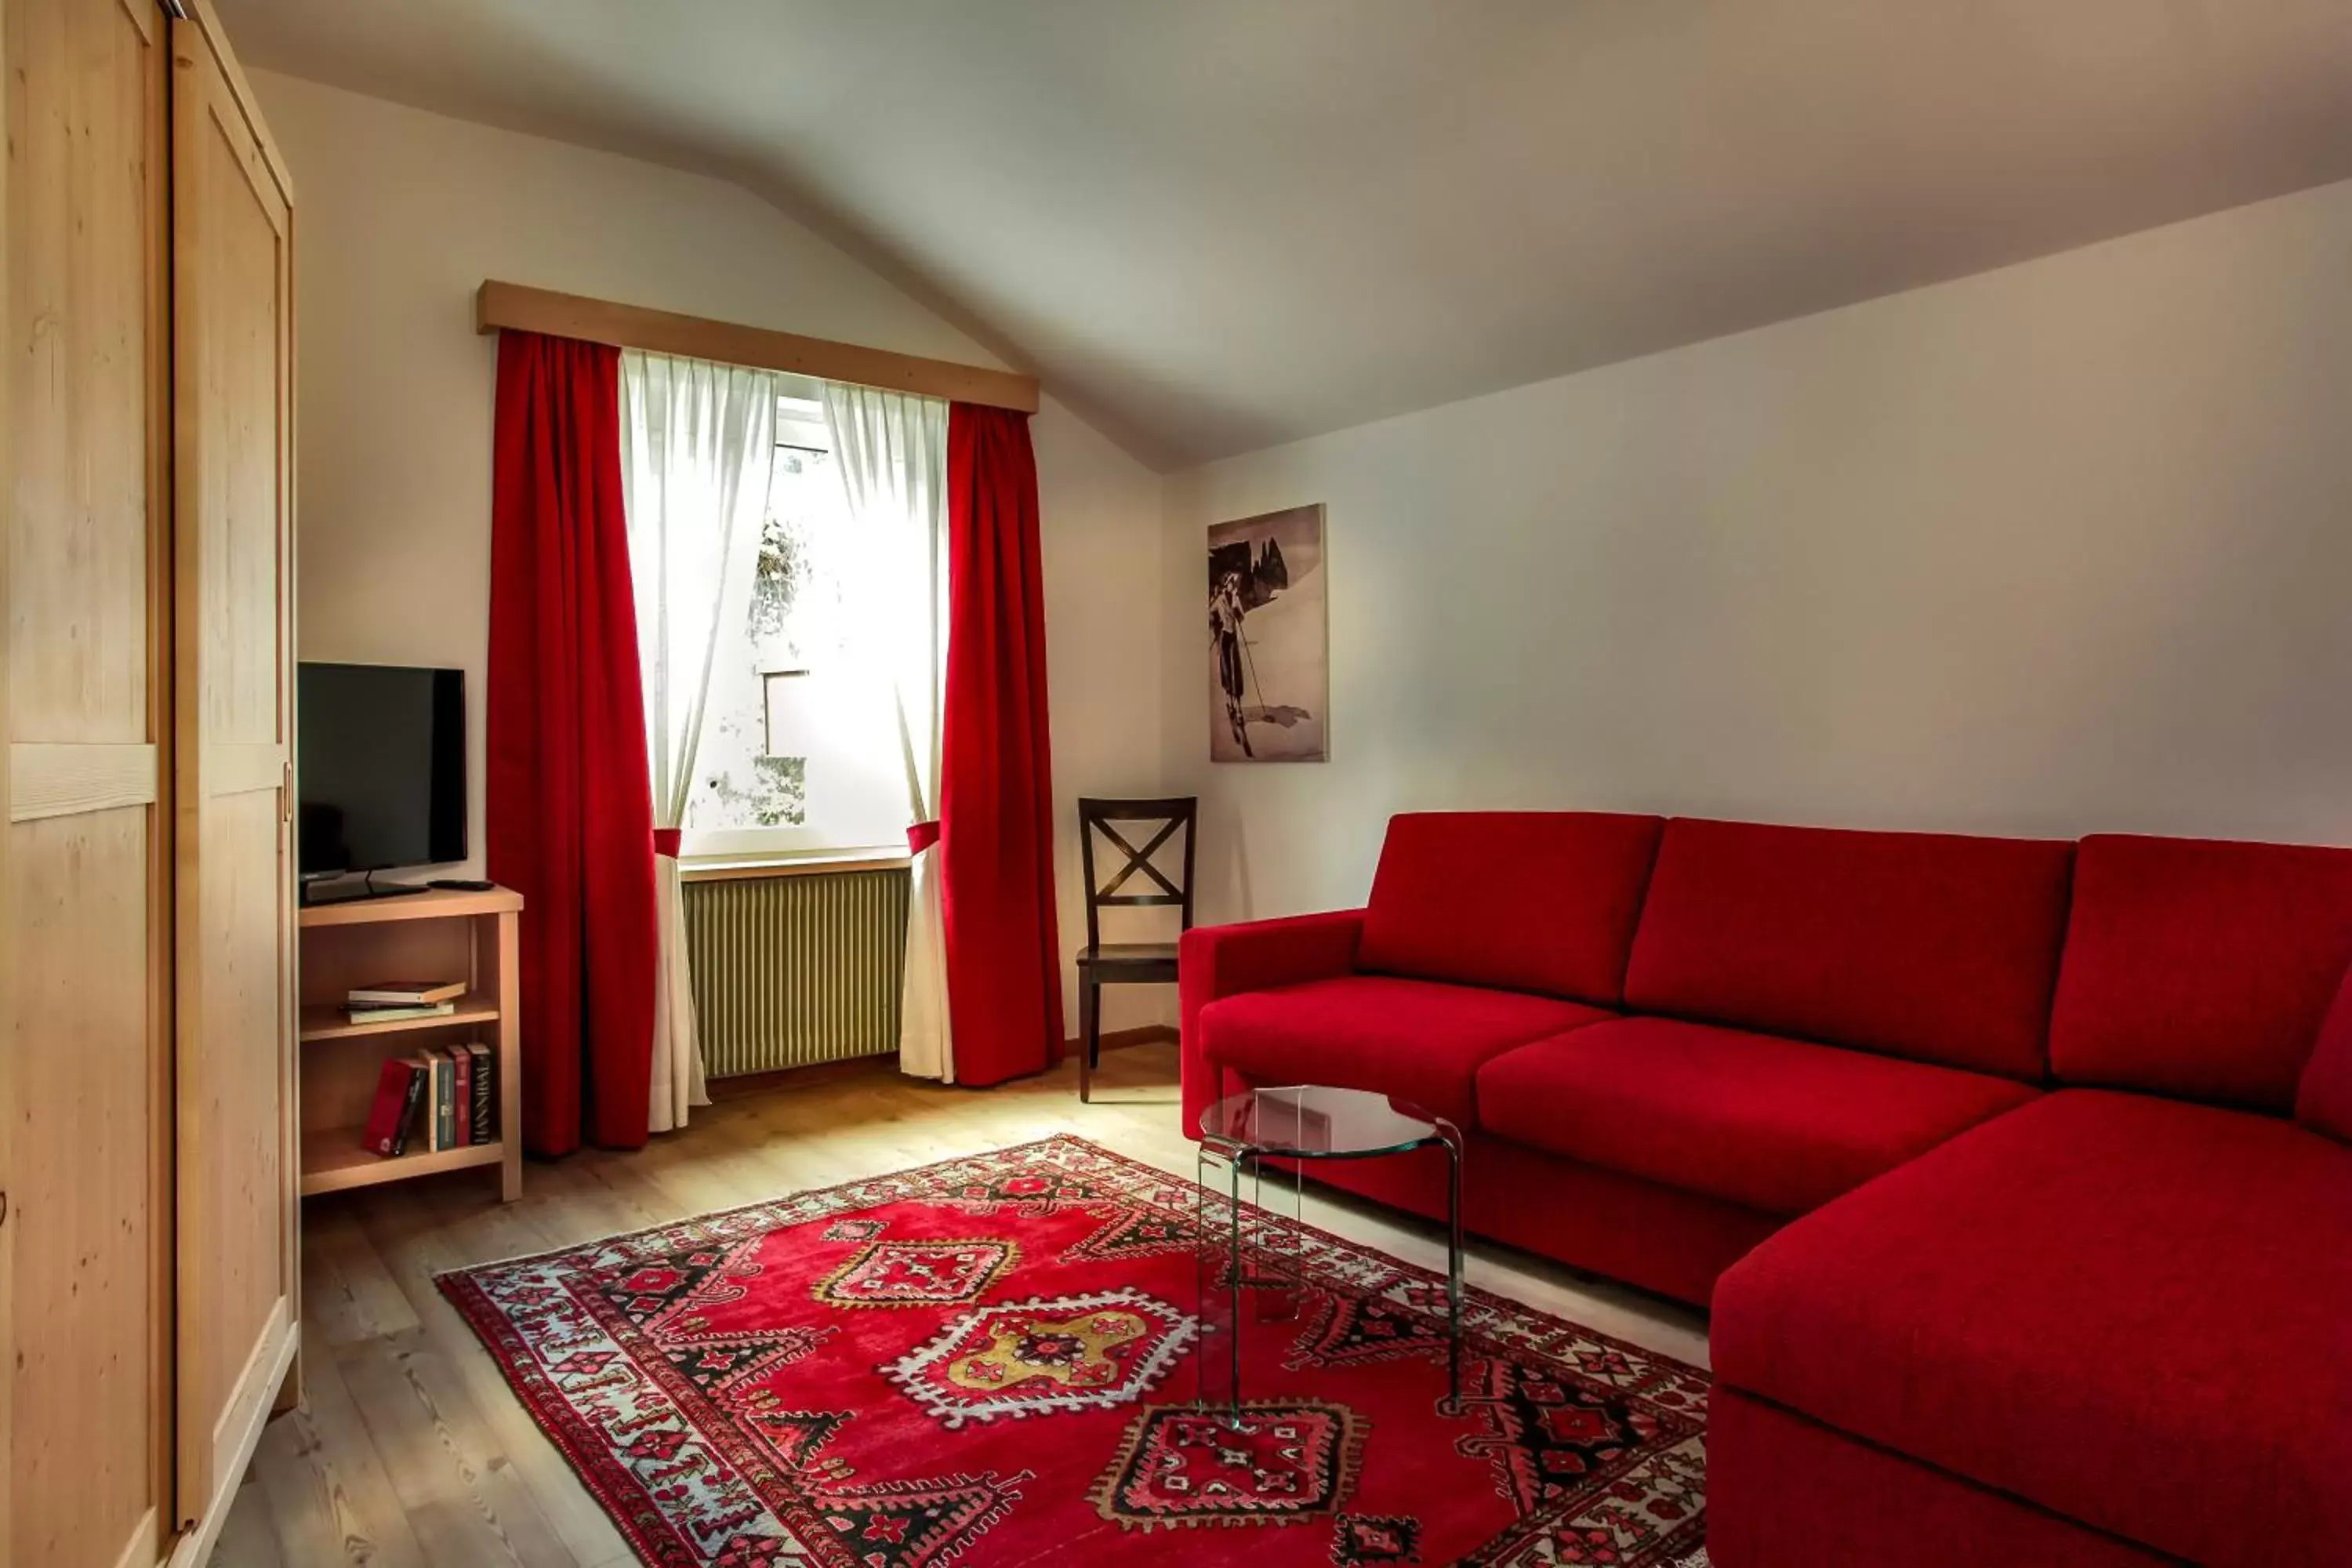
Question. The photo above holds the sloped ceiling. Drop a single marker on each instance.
(1217, 225)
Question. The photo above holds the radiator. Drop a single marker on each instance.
(792, 971)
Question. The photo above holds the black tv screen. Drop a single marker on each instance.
(382, 774)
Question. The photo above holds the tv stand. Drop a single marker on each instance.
(338, 892)
(358, 941)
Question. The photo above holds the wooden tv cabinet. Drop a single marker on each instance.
(414, 936)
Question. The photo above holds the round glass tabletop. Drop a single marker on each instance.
(1310, 1121)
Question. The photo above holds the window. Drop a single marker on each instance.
(798, 750)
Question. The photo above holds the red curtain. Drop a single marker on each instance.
(570, 801)
(996, 789)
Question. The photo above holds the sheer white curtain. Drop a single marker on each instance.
(892, 451)
(698, 448)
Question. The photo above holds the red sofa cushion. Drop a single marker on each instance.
(1775, 1124)
(2200, 969)
(2323, 1101)
(1527, 901)
(1413, 1038)
(2135, 1311)
(1931, 946)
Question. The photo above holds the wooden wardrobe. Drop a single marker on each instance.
(147, 1167)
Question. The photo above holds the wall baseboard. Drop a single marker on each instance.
(741, 1084)
(1114, 1039)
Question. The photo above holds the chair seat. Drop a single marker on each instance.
(1773, 1124)
(2131, 1311)
(1131, 960)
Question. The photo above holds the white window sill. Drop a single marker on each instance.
(724, 867)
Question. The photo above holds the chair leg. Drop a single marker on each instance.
(1089, 1033)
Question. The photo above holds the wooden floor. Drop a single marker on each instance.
(409, 1450)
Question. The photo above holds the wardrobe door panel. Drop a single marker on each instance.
(85, 1044)
(232, 271)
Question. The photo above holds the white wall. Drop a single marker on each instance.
(2062, 547)
(400, 217)
(1099, 520)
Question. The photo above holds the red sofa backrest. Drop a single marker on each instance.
(1931, 946)
(1522, 900)
(2198, 968)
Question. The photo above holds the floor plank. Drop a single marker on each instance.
(329, 1499)
(245, 1538)
(411, 1452)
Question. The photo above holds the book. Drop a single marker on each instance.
(412, 1107)
(406, 992)
(380, 1013)
(421, 1130)
(444, 1099)
(396, 1089)
(428, 1122)
(461, 1097)
(485, 1106)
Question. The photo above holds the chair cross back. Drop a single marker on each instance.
(1140, 860)
(1166, 818)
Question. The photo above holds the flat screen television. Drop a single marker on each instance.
(382, 770)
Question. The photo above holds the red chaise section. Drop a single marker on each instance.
(1802, 1496)
(2129, 1311)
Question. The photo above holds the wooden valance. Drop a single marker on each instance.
(498, 305)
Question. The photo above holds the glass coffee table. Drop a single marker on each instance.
(1296, 1126)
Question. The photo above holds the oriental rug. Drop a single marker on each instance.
(993, 1361)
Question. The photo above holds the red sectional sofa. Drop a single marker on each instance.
(2018, 1174)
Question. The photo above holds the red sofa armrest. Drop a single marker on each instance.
(1225, 961)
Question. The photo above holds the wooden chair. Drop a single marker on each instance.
(1135, 963)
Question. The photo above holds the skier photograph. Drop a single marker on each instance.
(1269, 651)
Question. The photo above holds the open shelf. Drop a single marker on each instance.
(473, 937)
(333, 1159)
(329, 1022)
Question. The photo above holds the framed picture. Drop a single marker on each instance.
(1269, 639)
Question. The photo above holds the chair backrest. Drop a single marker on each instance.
(1136, 829)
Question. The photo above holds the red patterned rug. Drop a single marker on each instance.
(990, 1361)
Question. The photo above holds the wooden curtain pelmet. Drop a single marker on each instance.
(503, 305)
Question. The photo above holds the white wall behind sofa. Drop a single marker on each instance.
(2062, 547)
(402, 214)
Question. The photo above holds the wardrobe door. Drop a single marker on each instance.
(85, 1043)
(232, 412)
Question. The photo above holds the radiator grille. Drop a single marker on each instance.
(792, 971)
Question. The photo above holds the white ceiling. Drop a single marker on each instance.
(1216, 225)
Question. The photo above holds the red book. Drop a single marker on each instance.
(394, 1089)
(461, 1097)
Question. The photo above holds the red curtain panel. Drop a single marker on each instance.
(570, 802)
(996, 789)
